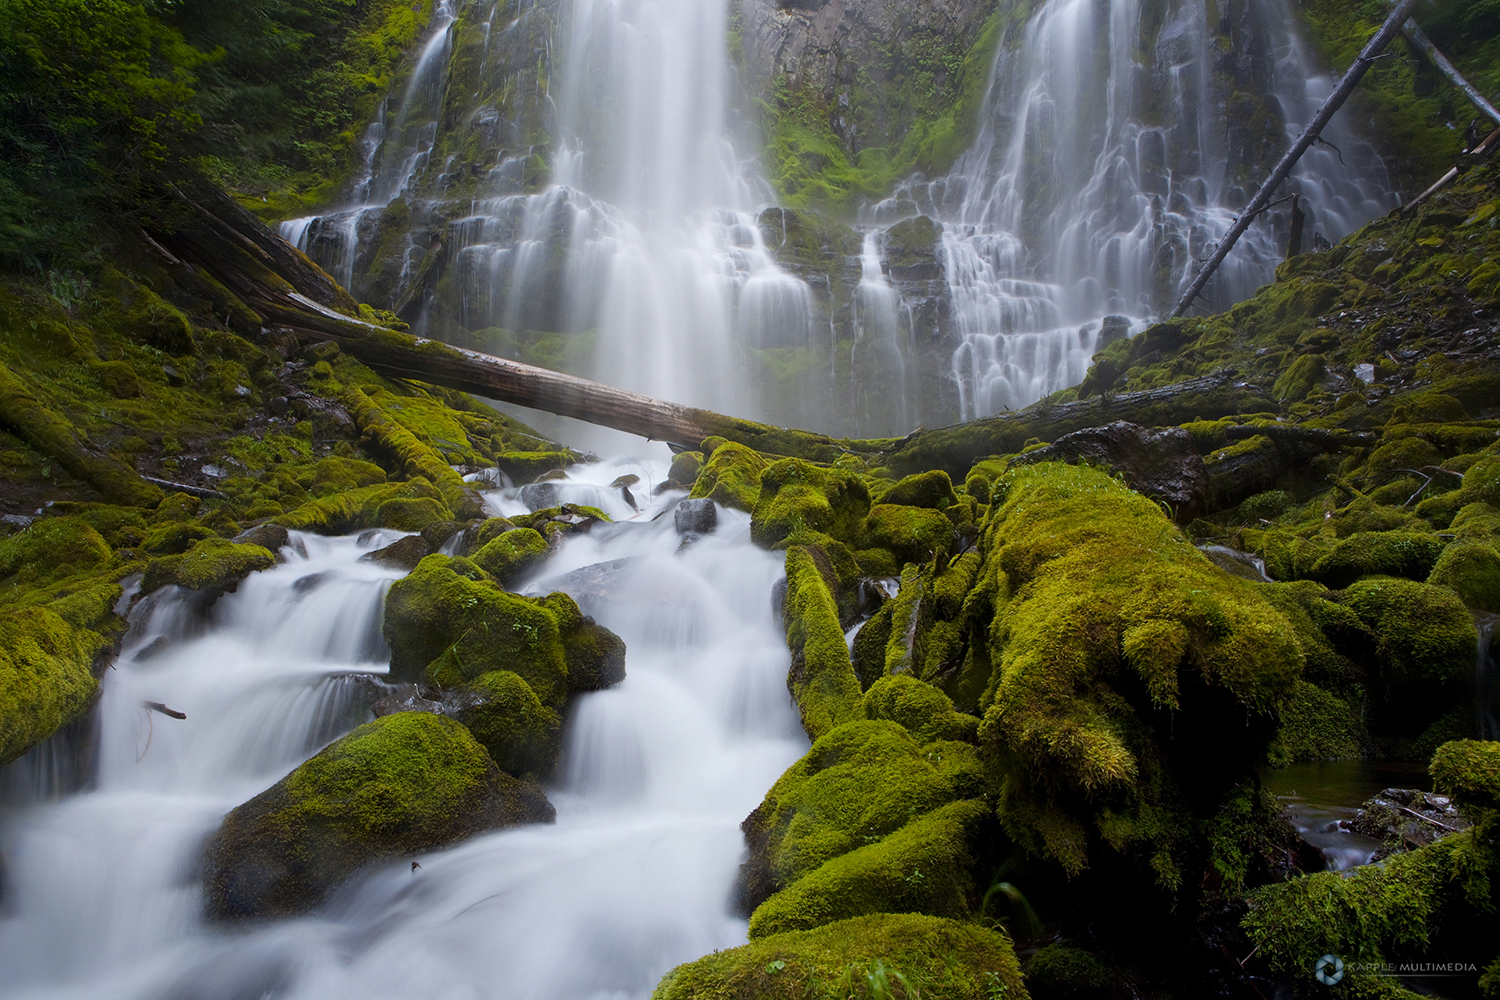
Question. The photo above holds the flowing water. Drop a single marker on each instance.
(102, 895)
(1321, 797)
(1111, 157)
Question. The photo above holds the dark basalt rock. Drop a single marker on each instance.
(404, 553)
(272, 537)
(1404, 818)
(1160, 463)
(697, 517)
(539, 496)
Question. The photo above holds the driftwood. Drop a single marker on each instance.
(1462, 167)
(1283, 170)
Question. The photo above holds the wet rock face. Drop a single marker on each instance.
(1158, 462)
(401, 785)
(695, 517)
(1404, 818)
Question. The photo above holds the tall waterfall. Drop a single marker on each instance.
(1117, 143)
(103, 894)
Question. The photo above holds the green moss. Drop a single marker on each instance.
(1299, 379)
(176, 537)
(1424, 635)
(46, 677)
(1090, 579)
(403, 784)
(336, 475)
(940, 959)
(1469, 770)
(412, 456)
(411, 513)
(1060, 972)
(213, 564)
(50, 549)
(822, 677)
(354, 509)
(449, 621)
(731, 477)
(857, 783)
(797, 496)
(1471, 569)
(1316, 725)
(1264, 506)
(922, 867)
(923, 710)
(925, 489)
(511, 555)
(685, 467)
(523, 736)
(914, 534)
(1409, 554)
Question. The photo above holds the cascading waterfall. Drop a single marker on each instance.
(1111, 156)
(103, 896)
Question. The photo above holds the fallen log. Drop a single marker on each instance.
(1310, 134)
(1464, 165)
(1418, 37)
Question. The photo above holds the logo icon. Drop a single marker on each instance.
(1329, 970)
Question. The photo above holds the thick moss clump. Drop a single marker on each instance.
(46, 676)
(731, 476)
(400, 785)
(1469, 770)
(1058, 972)
(1123, 662)
(822, 677)
(1471, 569)
(941, 959)
(925, 712)
(354, 509)
(797, 496)
(1411, 554)
(923, 867)
(1316, 725)
(1424, 634)
(214, 565)
(914, 534)
(925, 489)
(522, 735)
(51, 549)
(858, 783)
(512, 554)
(416, 458)
(448, 623)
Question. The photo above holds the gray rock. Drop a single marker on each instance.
(1159, 462)
(272, 537)
(697, 516)
(403, 553)
(539, 496)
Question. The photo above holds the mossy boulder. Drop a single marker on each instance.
(512, 554)
(1424, 634)
(522, 735)
(923, 710)
(411, 514)
(913, 534)
(1469, 770)
(50, 549)
(856, 784)
(214, 565)
(1112, 639)
(731, 477)
(46, 675)
(359, 508)
(924, 489)
(1316, 725)
(944, 959)
(1471, 569)
(447, 622)
(797, 496)
(1411, 554)
(401, 785)
(925, 866)
(822, 676)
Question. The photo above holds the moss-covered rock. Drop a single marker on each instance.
(1424, 634)
(413, 456)
(731, 476)
(359, 508)
(46, 676)
(1091, 584)
(925, 866)
(923, 710)
(914, 534)
(1471, 569)
(942, 959)
(1410, 554)
(213, 565)
(924, 489)
(1062, 972)
(797, 497)
(822, 676)
(411, 514)
(523, 736)
(400, 785)
(856, 784)
(50, 549)
(1469, 770)
(1316, 725)
(512, 554)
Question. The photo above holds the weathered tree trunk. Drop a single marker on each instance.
(1309, 136)
(1419, 38)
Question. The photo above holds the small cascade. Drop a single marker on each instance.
(882, 334)
(1487, 678)
(103, 895)
(1104, 171)
(394, 149)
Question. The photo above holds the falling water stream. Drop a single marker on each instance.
(103, 895)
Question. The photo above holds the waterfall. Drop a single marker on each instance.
(102, 895)
(1487, 678)
(1117, 142)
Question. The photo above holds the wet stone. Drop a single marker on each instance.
(539, 496)
(404, 553)
(697, 517)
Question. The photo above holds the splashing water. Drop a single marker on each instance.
(103, 896)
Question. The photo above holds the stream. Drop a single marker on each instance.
(103, 895)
